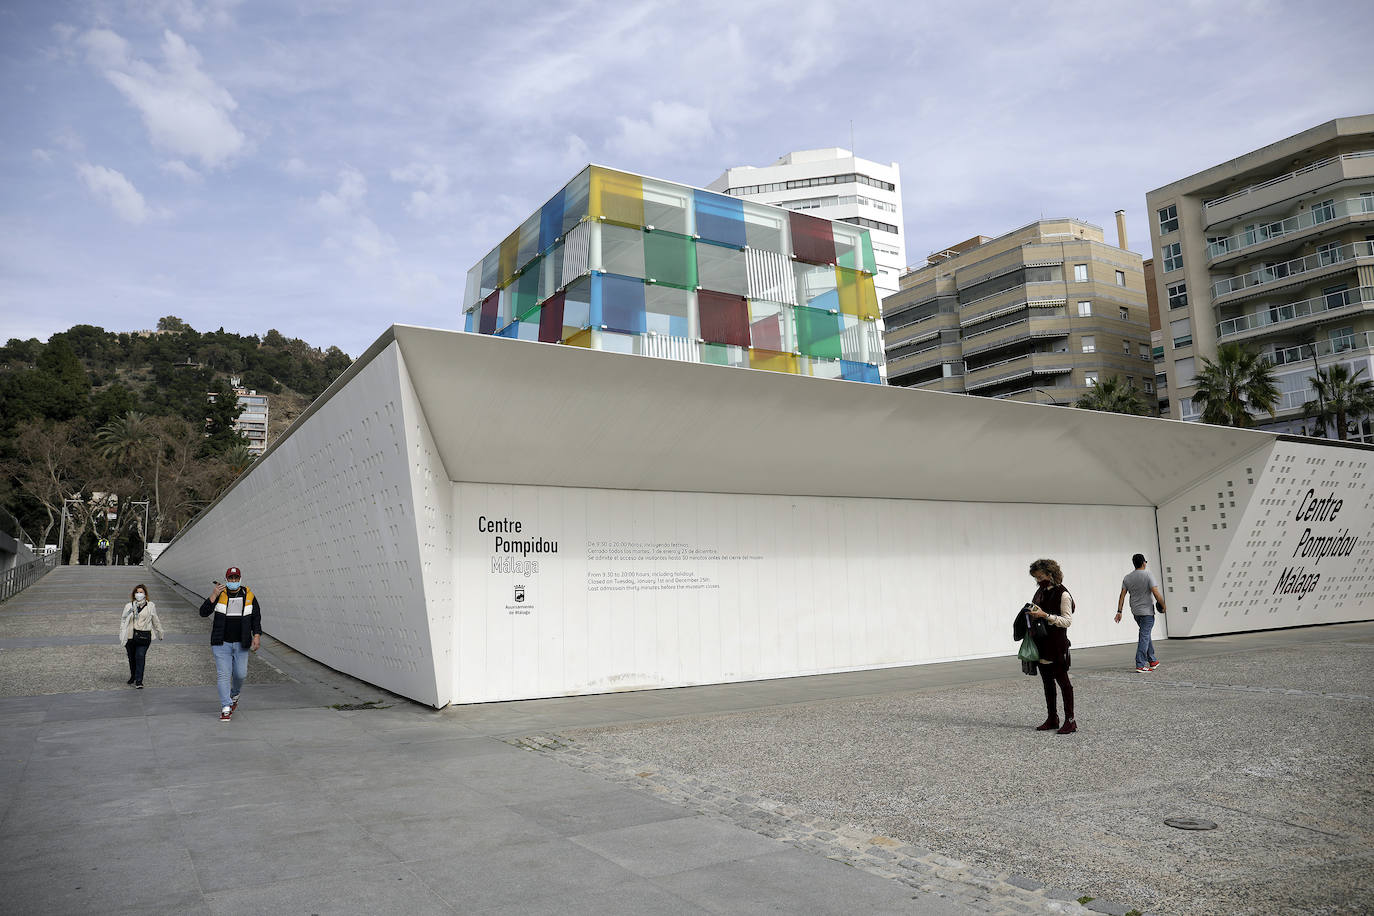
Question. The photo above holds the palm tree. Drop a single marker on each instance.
(237, 458)
(132, 442)
(1112, 395)
(1236, 383)
(1341, 396)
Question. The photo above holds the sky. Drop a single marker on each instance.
(329, 168)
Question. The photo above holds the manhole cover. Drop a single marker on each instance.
(1190, 823)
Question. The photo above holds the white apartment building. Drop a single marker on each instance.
(252, 421)
(835, 184)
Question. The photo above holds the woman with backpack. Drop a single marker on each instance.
(1051, 614)
(136, 629)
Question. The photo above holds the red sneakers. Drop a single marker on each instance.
(226, 713)
(1154, 665)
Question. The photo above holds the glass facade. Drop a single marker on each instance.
(628, 264)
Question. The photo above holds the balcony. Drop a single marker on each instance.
(1288, 270)
(1332, 346)
(1292, 226)
(1024, 366)
(1295, 312)
(906, 363)
(1292, 184)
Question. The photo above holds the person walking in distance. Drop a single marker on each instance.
(137, 627)
(236, 631)
(1140, 584)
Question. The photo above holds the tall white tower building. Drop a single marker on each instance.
(835, 184)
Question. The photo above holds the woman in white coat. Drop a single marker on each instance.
(136, 630)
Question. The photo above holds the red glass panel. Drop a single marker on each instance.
(724, 318)
(551, 319)
(812, 239)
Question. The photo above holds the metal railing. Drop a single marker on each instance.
(1294, 268)
(1287, 177)
(1294, 311)
(1258, 235)
(1332, 346)
(13, 581)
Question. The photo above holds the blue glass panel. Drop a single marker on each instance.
(720, 218)
(618, 304)
(551, 222)
(859, 372)
(469, 320)
(511, 330)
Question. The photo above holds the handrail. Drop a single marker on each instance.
(13, 581)
(1294, 311)
(1293, 268)
(1259, 235)
(1283, 356)
(1285, 177)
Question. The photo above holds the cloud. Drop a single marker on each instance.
(116, 190)
(295, 167)
(42, 155)
(431, 198)
(181, 170)
(670, 126)
(190, 15)
(351, 228)
(185, 111)
(348, 199)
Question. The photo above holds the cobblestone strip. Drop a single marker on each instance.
(1153, 678)
(985, 891)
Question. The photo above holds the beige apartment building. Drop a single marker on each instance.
(1274, 250)
(1039, 314)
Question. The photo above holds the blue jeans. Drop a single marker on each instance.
(231, 668)
(1145, 646)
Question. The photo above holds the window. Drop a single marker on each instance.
(1090, 379)
(1324, 211)
(1185, 372)
(1178, 295)
(1173, 257)
(1145, 351)
(1126, 347)
(1342, 339)
(1089, 342)
(1182, 331)
(1329, 253)
(1367, 201)
(1080, 273)
(1085, 308)
(1149, 386)
(1168, 219)
(1125, 313)
(1121, 278)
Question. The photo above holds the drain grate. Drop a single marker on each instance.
(1190, 823)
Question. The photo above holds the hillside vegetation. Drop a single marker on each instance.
(100, 419)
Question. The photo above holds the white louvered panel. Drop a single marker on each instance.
(666, 346)
(769, 276)
(576, 252)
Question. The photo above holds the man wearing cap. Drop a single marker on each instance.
(237, 630)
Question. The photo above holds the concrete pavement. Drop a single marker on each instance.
(327, 795)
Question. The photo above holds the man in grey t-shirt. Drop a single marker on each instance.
(1140, 584)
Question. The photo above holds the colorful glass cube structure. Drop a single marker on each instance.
(618, 262)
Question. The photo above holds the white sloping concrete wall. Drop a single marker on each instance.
(1243, 549)
(324, 528)
(654, 589)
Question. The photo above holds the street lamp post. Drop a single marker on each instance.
(1053, 402)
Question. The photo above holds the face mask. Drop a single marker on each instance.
(139, 596)
(232, 586)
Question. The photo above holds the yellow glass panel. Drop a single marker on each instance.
(582, 338)
(857, 294)
(773, 361)
(510, 249)
(617, 197)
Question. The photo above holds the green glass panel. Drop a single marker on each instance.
(724, 355)
(818, 333)
(526, 287)
(869, 263)
(848, 241)
(670, 258)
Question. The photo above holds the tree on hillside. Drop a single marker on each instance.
(1234, 384)
(1112, 395)
(172, 324)
(1342, 397)
(50, 465)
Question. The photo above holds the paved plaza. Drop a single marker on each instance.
(908, 790)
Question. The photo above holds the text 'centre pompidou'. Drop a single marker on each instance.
(628, 264)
